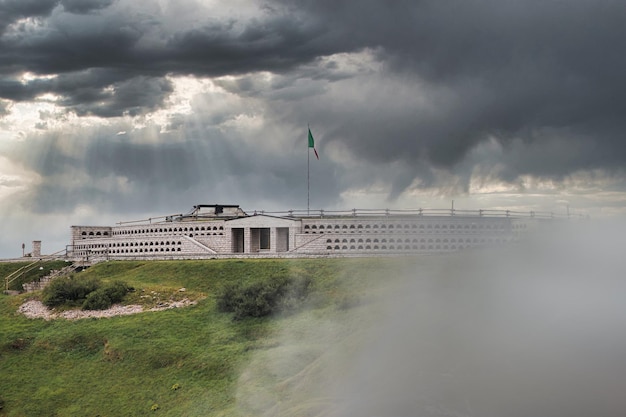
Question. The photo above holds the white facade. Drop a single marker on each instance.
(261, 235)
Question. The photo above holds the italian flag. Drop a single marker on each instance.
(312, 144)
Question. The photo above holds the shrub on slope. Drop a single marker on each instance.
(70, 290)
(260, 299)
(87, 292)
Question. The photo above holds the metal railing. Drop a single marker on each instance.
(29, 267)
(320, 213)
(417, 212)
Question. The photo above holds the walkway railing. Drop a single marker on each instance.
(417, 212)
(62, 254)
(384, 212)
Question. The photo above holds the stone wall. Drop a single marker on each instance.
(340, 236)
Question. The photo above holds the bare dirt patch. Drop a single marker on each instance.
(37, 310)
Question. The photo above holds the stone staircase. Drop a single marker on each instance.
(44, 281)
(200, 245)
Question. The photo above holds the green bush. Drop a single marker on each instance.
(104, 297)
(117, 290)
(227, 297)
(97, 300)
(263, 298)
(68, 290)
(256, 300)
(88, 292)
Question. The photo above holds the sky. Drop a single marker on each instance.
(116, 110)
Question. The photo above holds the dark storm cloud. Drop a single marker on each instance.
(85, 6)
(104, 93)
(130, 46)
(539, 72)
(541, 78)
(75, 43)
(12, 10)
(132, 96)
(269, 46)
(546, 73)
(533, 75)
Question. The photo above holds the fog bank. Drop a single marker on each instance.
(538, 329)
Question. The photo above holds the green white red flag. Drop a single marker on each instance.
(312, 144)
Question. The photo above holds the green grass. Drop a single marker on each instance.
(123, 366)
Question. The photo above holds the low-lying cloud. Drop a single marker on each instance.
(535, 329)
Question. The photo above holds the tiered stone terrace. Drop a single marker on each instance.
(284, 234)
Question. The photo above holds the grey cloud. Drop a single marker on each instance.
(276, 44)
(134, 96)
(72, 44)
(13, 10)
(85, 6)
(4, 107)
(512, 70)
(532, 73)
(95, 92)
(116, 45)
(112, 41)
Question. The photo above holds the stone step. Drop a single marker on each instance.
(45, 280)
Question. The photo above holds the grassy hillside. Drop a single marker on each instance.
(192, 361)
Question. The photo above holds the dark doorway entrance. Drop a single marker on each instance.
(237, 239)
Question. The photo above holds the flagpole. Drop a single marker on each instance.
(308, 188)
